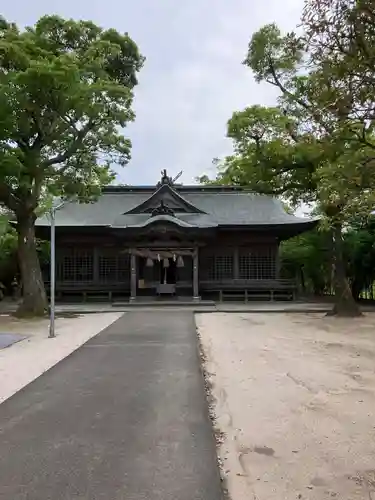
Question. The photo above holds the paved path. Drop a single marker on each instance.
(122, 418)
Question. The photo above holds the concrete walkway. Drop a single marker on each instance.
(122, 418)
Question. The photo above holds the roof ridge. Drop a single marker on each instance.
(118, 188)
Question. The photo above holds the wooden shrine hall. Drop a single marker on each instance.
(171, 240)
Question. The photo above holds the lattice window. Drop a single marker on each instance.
(107, 266)
(123, 262)
(114, 265)
(75, 264)
(257, 263)
(216, 266)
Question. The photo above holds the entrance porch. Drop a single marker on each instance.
(159, 272)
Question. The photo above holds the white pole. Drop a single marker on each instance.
(52, 276)
(53, 211)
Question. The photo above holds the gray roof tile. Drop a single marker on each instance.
(221, 207)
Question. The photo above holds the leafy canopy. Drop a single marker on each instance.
(307, 258)
(65, 93)
(314, 145)
(317, 144)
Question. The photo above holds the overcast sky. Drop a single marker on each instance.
(193, 78)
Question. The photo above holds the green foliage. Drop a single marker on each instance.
(8, 243)
(270, 53)
(8, 248)
(317, 145)
(267, 159)
(307, 259)
(65, 89)
(339, 37)
(8, 240)
(359, 250)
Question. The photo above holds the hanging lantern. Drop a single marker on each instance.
(149, 262)
(180, 261)
(165, 262)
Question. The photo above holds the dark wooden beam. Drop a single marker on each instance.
(133, 277)
(196, 275)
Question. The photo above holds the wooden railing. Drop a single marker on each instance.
(235, 289)
(276, 284)
(86, 289)
(246, 290)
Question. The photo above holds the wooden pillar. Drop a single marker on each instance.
(195, 275)
(236, 263)
(133, 276)
(96, 265)
(277, 260)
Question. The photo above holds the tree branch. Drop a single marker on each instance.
(61, 158)
(8, 197)
(38, 143)
(299, 101)
(282, 190)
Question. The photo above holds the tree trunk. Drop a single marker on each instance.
(34, 299)
(302, 278)
(345, 304)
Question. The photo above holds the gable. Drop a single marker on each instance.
(168, 197)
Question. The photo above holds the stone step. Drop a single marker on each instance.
(165, 303)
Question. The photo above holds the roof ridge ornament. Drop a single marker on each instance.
(166, 180)
(162, 209)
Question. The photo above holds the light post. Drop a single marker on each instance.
(52, 214)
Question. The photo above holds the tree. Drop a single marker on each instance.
(65, 92)
(339, 35)
(274, 154)
(8, 252)
(359, 251)
(317, 144)
(320, 89)
(307, 259)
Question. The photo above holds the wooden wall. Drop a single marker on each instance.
(89, 259)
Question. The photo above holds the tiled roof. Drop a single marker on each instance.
(219, 206)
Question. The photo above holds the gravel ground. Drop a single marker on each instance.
(25, 361)
(295, 400)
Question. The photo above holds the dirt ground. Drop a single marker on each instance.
(295, 399)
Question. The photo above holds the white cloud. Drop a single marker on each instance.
(193, 78)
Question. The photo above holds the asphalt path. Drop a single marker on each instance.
(123, 418)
